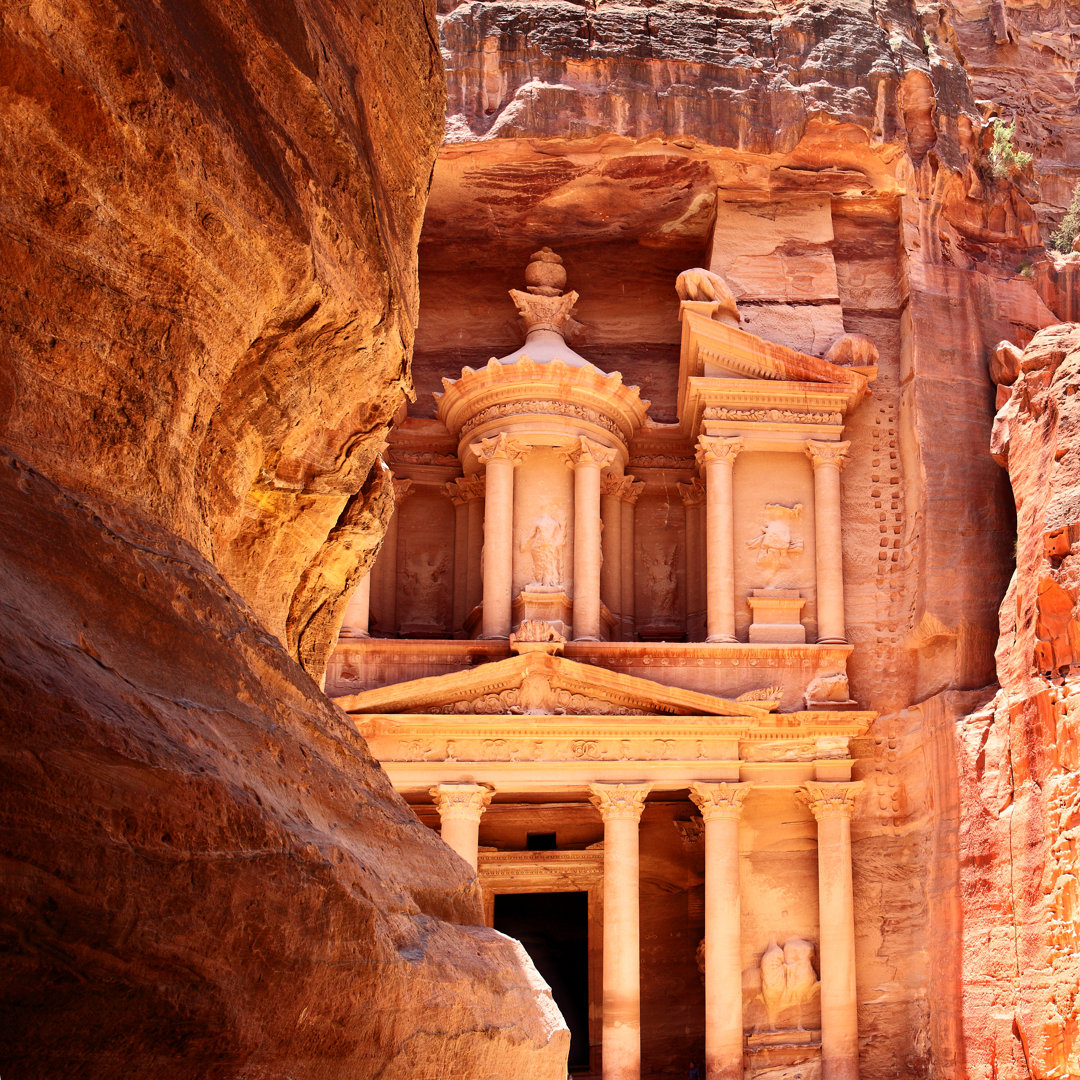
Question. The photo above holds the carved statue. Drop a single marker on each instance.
(829, 688)
(776, 542)
(423, 577)
(663, 585)
(699, 284)
(788, 978)
(545, 545)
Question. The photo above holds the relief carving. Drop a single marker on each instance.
(827, 688)
(661, 580)
(788, 980)
(422, 594)
(778, 540)
(545, 545)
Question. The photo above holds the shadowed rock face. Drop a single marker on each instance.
(208, 234)
(210, 220)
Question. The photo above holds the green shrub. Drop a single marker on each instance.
(1005, 159)
(1062, 239)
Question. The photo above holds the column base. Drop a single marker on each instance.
(587, 639)
(722, 639)
(492, 637)
(349, 632)
(832, 641)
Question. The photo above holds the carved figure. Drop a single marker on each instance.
(699, 284)
(545, 546)
(788, 978)
(663, 585)
(832, 688)
(776, 542)
(423, 577)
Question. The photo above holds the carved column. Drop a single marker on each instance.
(833, 805)
(474, 493)
(721, 807)
(385, 569)
(463, 494)
(717, 457)
(611, 546)
(828, 459)
(693, 495)
(587, 459)
(460, 807)
(500, 454)
(630, 493)
(621, 805)
(355, 623)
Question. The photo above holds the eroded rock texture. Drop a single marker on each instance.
(208, 221)
(210, 214)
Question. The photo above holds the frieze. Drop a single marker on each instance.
(422, 457)
(773, 416)
(543, 407)
(662, 461)
(566, 749)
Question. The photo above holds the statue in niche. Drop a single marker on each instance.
(662, 582)
(777, 541)
(545, 546)
(422, 578)
(788, 979)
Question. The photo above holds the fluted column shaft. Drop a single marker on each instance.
(621, 805)
(833, 805)
(587, 459)
(721, 808)
(357, 612)
(630, 493)
(500, 454)
(460, 808)
(692, 496)
(828, 459)
(611, 547)
(385, 587)
(717, 457)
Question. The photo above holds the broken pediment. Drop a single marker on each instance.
(538, 684)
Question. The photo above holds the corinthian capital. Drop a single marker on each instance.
(587, 452)
(464, 489)
(713, 448)
(830, 799)
(827, 453)
(498, 448)
(462, 802)
(719, 800)
(619, 802)
(402, 487)
(693, 493)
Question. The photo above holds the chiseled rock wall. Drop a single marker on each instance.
(209, 221)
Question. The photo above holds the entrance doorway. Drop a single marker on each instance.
(554, 929)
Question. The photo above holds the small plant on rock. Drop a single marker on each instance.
(1062, 239)
(1005, 158)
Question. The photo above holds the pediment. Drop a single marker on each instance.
(712, 347)
(538, 684)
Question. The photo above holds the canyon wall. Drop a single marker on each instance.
(209, 221)
(833, 164)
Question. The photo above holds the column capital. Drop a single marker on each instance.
(714, 448)
(588, 452)
(499, 448)
(830, 800)
(402, 487)
(464, 489)
(461, 802)
(827, 453)
(632, 490)
(693, 493)
(619, 802)
(613, 484)
(719, 800)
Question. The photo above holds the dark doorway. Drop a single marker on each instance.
(554, 928)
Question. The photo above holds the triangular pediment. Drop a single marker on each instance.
(539, 684)
(716, 348)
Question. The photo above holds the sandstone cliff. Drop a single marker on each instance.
(208, 230)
